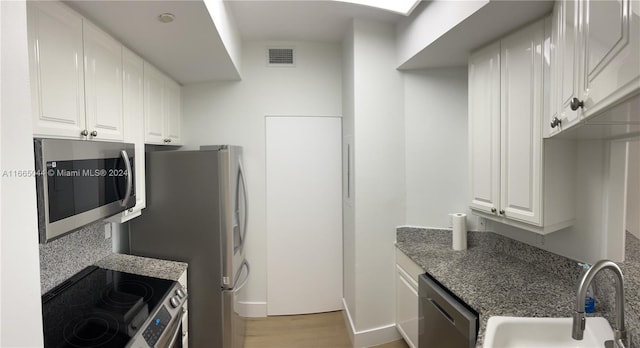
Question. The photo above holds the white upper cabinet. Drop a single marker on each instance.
(595, 59)
(163, 108)
(173, 112)
(565, 66)
(515, 178)
(103, 84)
(153, 106)
(133, 109)
(611, 31)
(76, 75)
(56, 69)
(484, 128)
(521, 113)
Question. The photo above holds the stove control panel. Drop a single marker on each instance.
(163, 326)
(153, 332)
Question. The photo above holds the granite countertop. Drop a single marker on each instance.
(492, 282)
(145, 266)
(498, 276)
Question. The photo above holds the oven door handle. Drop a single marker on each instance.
(127, 195)
(176, 331)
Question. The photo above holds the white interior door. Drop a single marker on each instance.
(304, 214)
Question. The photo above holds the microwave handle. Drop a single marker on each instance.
(127, 194)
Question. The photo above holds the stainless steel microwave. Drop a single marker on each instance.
(79, 182)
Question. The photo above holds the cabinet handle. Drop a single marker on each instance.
(84, 133)
(493, 210)
(94, 133)
(167, 140)
(555, 122)
(501, 212)
(576, 103)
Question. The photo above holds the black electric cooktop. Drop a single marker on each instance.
(99, 308)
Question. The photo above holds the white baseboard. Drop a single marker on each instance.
(252, 309)
(369, 337)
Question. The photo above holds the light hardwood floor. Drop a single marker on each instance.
(324, 330)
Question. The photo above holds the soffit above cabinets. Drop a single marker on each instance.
(189, 49)
(491, 21)
(301, 20)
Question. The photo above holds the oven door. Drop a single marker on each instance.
(172, 338)
(80, 182)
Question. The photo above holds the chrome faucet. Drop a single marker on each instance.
(579, 320)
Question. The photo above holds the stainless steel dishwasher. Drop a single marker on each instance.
(445, 321)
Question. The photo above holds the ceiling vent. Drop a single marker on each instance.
(281, 57)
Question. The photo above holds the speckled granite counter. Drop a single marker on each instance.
(497, 275)
(164, 269)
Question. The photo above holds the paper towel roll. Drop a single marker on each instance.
(459, 234)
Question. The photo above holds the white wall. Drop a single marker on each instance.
(348, 202)
(429, 21)
(233, 112)
(633, 189)
(436, 146)
(227, 29)
(379, 181)
(20, 318)
(587, 239)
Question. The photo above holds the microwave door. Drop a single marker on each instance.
(81, 182)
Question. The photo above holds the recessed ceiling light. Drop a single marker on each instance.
(166, 17)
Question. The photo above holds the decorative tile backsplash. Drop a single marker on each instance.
(64, 257)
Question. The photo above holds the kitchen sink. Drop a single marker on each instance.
(515, 332)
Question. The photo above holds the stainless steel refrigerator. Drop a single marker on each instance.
(197, 213)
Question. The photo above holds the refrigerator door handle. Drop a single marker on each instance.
(245, 264)
(243, 233)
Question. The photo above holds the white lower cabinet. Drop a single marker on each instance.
(407, 315)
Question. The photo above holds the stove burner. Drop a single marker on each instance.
(134, 287)
(95, 330)
(99, 308)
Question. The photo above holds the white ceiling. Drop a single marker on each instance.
(308, 20)
(190, 49)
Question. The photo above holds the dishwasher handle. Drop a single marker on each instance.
(442, 311)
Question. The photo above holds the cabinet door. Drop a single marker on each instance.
(133, 95)
(612, 52)
(103, 84)
(153, 105)
(521, 118)
(173, 112)
(566, 62)
(407, 307)
(484, 128)
(56, 68)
